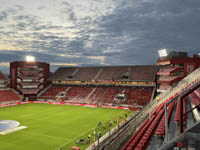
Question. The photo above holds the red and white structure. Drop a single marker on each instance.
(173, 67)
(29, 77)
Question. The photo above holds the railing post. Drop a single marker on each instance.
(166, 124)
(181, 116)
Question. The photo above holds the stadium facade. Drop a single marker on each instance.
(29, 78)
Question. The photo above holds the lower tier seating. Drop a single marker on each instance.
(8, 95)
(101, 94)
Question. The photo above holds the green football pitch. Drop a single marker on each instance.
(53, 126)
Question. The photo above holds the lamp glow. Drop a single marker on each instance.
(162, 52)
(30, 59)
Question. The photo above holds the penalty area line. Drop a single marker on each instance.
(40, 134)
(58, 148)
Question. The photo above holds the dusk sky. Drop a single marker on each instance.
(96, 32)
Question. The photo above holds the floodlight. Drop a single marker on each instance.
(162, 52)
(30, 59)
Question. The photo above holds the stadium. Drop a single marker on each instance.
(131, 107)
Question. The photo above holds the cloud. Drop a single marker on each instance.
(67, 12)
(5, 64)
(19, 7)
(140, 28)
(3, 15)
(41, 7)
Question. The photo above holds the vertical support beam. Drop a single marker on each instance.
(166, 123)
(181, 116)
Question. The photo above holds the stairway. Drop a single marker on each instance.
(90, 94)
(98, 74)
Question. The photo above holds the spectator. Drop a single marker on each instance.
(99, 134)
(104, 126)
(89, 136)
(110, 123)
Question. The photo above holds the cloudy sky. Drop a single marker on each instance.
(96, 32)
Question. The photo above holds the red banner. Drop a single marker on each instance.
(62, 103)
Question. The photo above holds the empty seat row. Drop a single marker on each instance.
(161, 127)
(8, 95)
(178, 111)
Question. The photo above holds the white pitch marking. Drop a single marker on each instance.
(45, 135)
(12, 130)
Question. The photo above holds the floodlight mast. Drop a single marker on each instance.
(162, 52)
(30, 58)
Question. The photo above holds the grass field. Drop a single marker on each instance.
(51, 126)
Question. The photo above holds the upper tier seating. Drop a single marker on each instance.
(63, 73)
(112, 73)
(102, 73)
(143, 73)
(86, 74)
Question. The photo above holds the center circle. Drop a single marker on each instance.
(8, 124)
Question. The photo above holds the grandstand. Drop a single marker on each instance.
(102, 85)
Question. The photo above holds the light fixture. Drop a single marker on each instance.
(30, 58)
(162, 52)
